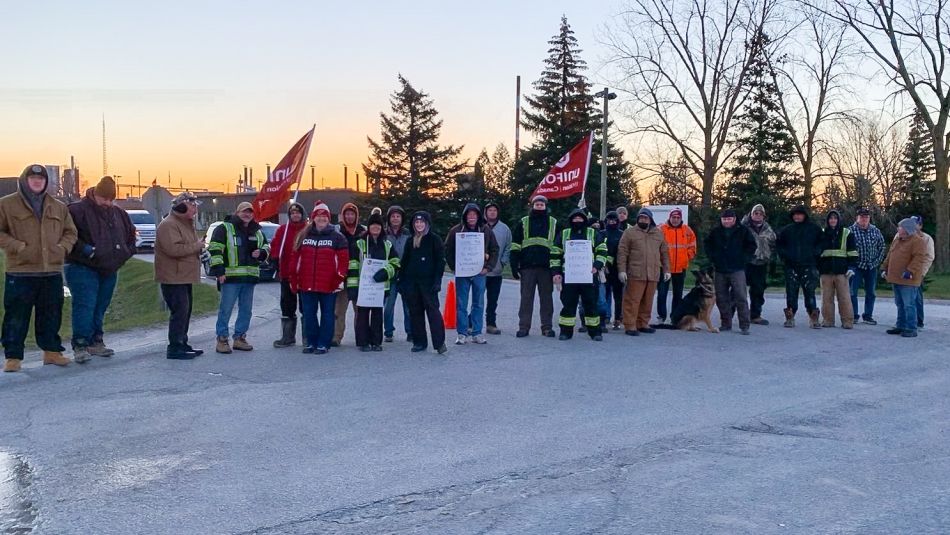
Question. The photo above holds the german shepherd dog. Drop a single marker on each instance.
(696, 306)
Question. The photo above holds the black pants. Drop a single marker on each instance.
(178, 298)
(756, 277)
(493, 290)
(677, 280)
(289, 302)
(615, 293)
(369, 326)
(424, 303)
(804, 278)
(22, 295)
(587, 295)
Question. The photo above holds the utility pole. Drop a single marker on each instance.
(517, 116)
(346, 178)
(105, 164)
(312, 171)
(607, 96)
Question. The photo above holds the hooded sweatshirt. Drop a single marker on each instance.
(503, 237)
(351, 232)
(491, 245)
(838, 250)
(764, 237)
(282, 248)
(799, 244)
(400, 235)
(423, 261)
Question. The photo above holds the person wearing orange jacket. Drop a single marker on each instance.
(681, 242)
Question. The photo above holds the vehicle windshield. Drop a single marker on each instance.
(269, 231)
(142, 219)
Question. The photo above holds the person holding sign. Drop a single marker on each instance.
(368, 281)
(322, 260)
(471, 252)
(584, 254)
(642, 256)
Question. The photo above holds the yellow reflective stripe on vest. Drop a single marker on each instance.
(229, 245)
(842, 250)
(536, 241)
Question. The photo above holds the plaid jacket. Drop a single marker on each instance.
(870, 243)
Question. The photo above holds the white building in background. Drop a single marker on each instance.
(55, 180)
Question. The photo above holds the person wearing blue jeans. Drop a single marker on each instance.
(241, 294)
(905, 297)
(871, 249)
(319, 332)
(91, 294)
(473, 228)
(904, 268)
(397, 234)
(868, 279)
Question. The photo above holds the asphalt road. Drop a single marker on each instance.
(784, 431)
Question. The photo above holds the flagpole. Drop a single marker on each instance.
(583, 202)
(283, 238)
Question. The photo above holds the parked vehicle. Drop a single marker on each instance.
(144, 228)
(268, 268)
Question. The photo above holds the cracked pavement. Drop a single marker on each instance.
(784, 431)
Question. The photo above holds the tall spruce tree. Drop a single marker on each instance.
(560, 114)
(407, 165)
(916, 195)
(765, 151)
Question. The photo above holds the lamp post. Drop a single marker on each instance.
(607, 96)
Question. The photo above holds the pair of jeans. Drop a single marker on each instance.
(731, 295)
(905, 297)
(389, 310)
(24, 294)
(470, 322)
(677, 280)
(423, 304)
(756, 277)
(493, 291)
(867, 278)
(92, 293)
(319, 333)
(804, 278)
(178, 298)
(241, 293)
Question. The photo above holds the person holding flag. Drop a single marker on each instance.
(285, 256)
(586, 292)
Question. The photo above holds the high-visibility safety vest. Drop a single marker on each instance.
(229, 258)
(600, 249)
(362, 245)
(537, 241)
(842, 250)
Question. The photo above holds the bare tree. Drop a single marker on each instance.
(865, 158)
(909, 41)
(683, 66)
(811, 78)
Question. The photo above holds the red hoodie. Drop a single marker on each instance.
(283, 251)
(322, 261)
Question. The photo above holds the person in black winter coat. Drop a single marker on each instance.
(612, 233)
(729, 246)
(799, 246)
(423, 264)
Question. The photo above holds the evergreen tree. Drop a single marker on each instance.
(559, 115)
(407, 165)
(765, 150)
(916, 195)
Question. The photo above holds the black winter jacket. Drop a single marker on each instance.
(799, 244)
(422, 268)
(107, 234)
(730, 249)
(533, 256)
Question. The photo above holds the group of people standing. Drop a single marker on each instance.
(320, 267)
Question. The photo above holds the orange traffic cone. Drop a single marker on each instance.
(448, 311)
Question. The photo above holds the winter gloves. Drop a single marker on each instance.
(380, 276)
(666, 277)
(850, 273)
(907, 275)
(622, 277)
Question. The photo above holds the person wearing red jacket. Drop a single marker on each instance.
(323, 258)
(285, 256)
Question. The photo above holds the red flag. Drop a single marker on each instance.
(569, 174)
(288, 171)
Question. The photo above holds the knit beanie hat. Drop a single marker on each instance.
(728, 212)
(375, 218)
(320, 208)
(909, 225)
(105, 189)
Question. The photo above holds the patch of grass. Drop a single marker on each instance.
(136, 303)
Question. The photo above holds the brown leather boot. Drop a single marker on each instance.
(240, 344)
(789, 318)
(222, 346)
(55, 357)
(12, 365)
(813, 319)
(99, 349)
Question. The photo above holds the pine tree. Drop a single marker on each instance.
(408, 165)
(916, 196)
(765, 150)
(560, 114)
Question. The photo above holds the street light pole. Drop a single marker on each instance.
(607, 96)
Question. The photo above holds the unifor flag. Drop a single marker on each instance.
(569, 174)
(287, 173)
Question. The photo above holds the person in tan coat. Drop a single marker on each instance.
(177, 268)
(904, 269)
(642, 256)
(36, 233)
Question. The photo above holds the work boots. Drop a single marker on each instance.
(288, 336)
(240, 343)
(12, 365)
(222, 346)
(99, 349)
(55, 357)
(813, 319)
(789, 318)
